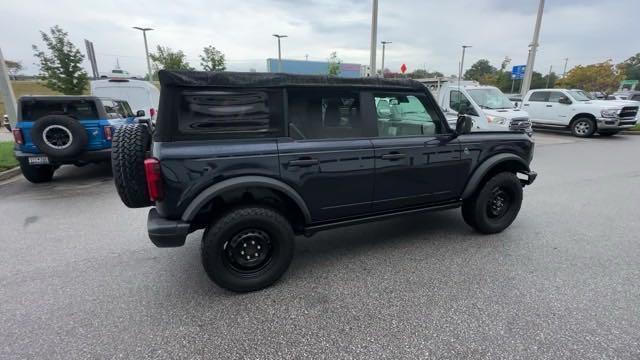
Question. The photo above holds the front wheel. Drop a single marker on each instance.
(495, 206)
(583, 127)
(248, 248)
(36, 173)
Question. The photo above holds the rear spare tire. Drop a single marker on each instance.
(129, 149)
(59, 136)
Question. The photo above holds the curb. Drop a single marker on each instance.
(8, 174)
(630, 132)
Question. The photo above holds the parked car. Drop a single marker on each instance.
(141, 95)
(56, 130)
(572, 109)
(256, 158)
(627, 95)
(487, 105)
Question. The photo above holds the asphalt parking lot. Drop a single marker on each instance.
(80, 279)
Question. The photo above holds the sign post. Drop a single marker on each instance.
(517, 73)
(403, 68)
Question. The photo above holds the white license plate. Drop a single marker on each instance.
(38, 160)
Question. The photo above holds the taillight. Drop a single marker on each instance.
(154, 178)
(17, 136)
(152, 112)
(108, 132)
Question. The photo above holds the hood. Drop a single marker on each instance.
(506, 113)
(611, 103)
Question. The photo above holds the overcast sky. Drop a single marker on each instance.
(425, 33)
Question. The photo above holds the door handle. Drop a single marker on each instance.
(549, 105)
(525, 104)
(303, 162)
(393, 156)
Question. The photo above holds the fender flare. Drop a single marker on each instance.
(485, 167)
(239, 182)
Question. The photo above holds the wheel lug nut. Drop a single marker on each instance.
(253, 242)
(245, 244)
(248, 257)
(242, 252)
(258, 247)
(256, 254)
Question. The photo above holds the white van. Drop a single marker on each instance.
(141, 95)
(490, 109)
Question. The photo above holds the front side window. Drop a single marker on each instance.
(404, 115)
(318, 114)
(459, 103)
(555, 96)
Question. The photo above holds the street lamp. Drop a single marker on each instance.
(528, 74)
(279, 51)
(146, 48)
(384, 43)
(464, 49)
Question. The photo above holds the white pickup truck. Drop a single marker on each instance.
(489, 108)
(573, 109)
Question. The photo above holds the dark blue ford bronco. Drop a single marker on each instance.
(56, 130)
(255, 159)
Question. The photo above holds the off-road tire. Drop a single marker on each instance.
(216, 248)
(478, 211)
(36, 173)
(129, 150)
(583, 127)
(68, 126)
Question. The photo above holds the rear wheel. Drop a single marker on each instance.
(583, 127)
(129, 150)
(248, 248)
(495, 206)
(36, 173)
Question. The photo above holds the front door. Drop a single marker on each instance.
(328, 156)
(417, 162)
(557, 112)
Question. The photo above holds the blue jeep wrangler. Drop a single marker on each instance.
(56, 130)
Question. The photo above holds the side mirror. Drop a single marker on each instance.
(565, 101)
(140, 113)
(464, 124)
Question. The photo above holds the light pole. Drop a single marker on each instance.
(384, 44)
(526, 83)
(146, 48)
(464, 49)
(279, 36)
(549, 76)
(564, 72)
(374, 35)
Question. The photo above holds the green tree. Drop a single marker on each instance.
(212, 59)
(167, 59)
(422, 74)
(61, 68)
(631, 67)
(333, 68)
(479, 70)
(604, 76)
(13, 67)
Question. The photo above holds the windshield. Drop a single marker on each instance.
(490, 99)
(579, 95)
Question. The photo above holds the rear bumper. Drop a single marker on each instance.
(164, 232)
(87, 156)
(530, 177)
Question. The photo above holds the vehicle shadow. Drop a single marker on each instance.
(567, 134)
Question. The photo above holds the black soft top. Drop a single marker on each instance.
(174, 78)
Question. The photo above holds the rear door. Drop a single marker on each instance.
(328, 155)
(417, 161)
(536, 106)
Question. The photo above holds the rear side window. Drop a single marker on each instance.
(636, 97)
(324, 114)
(539, 96)
(77, 109)
(231, 113)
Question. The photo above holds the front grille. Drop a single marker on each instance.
(629, 112)
(520, 124)
(627, 122)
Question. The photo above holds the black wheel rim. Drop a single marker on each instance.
(499, 202)
(249, 251)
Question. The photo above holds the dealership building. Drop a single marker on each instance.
(314, 68)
